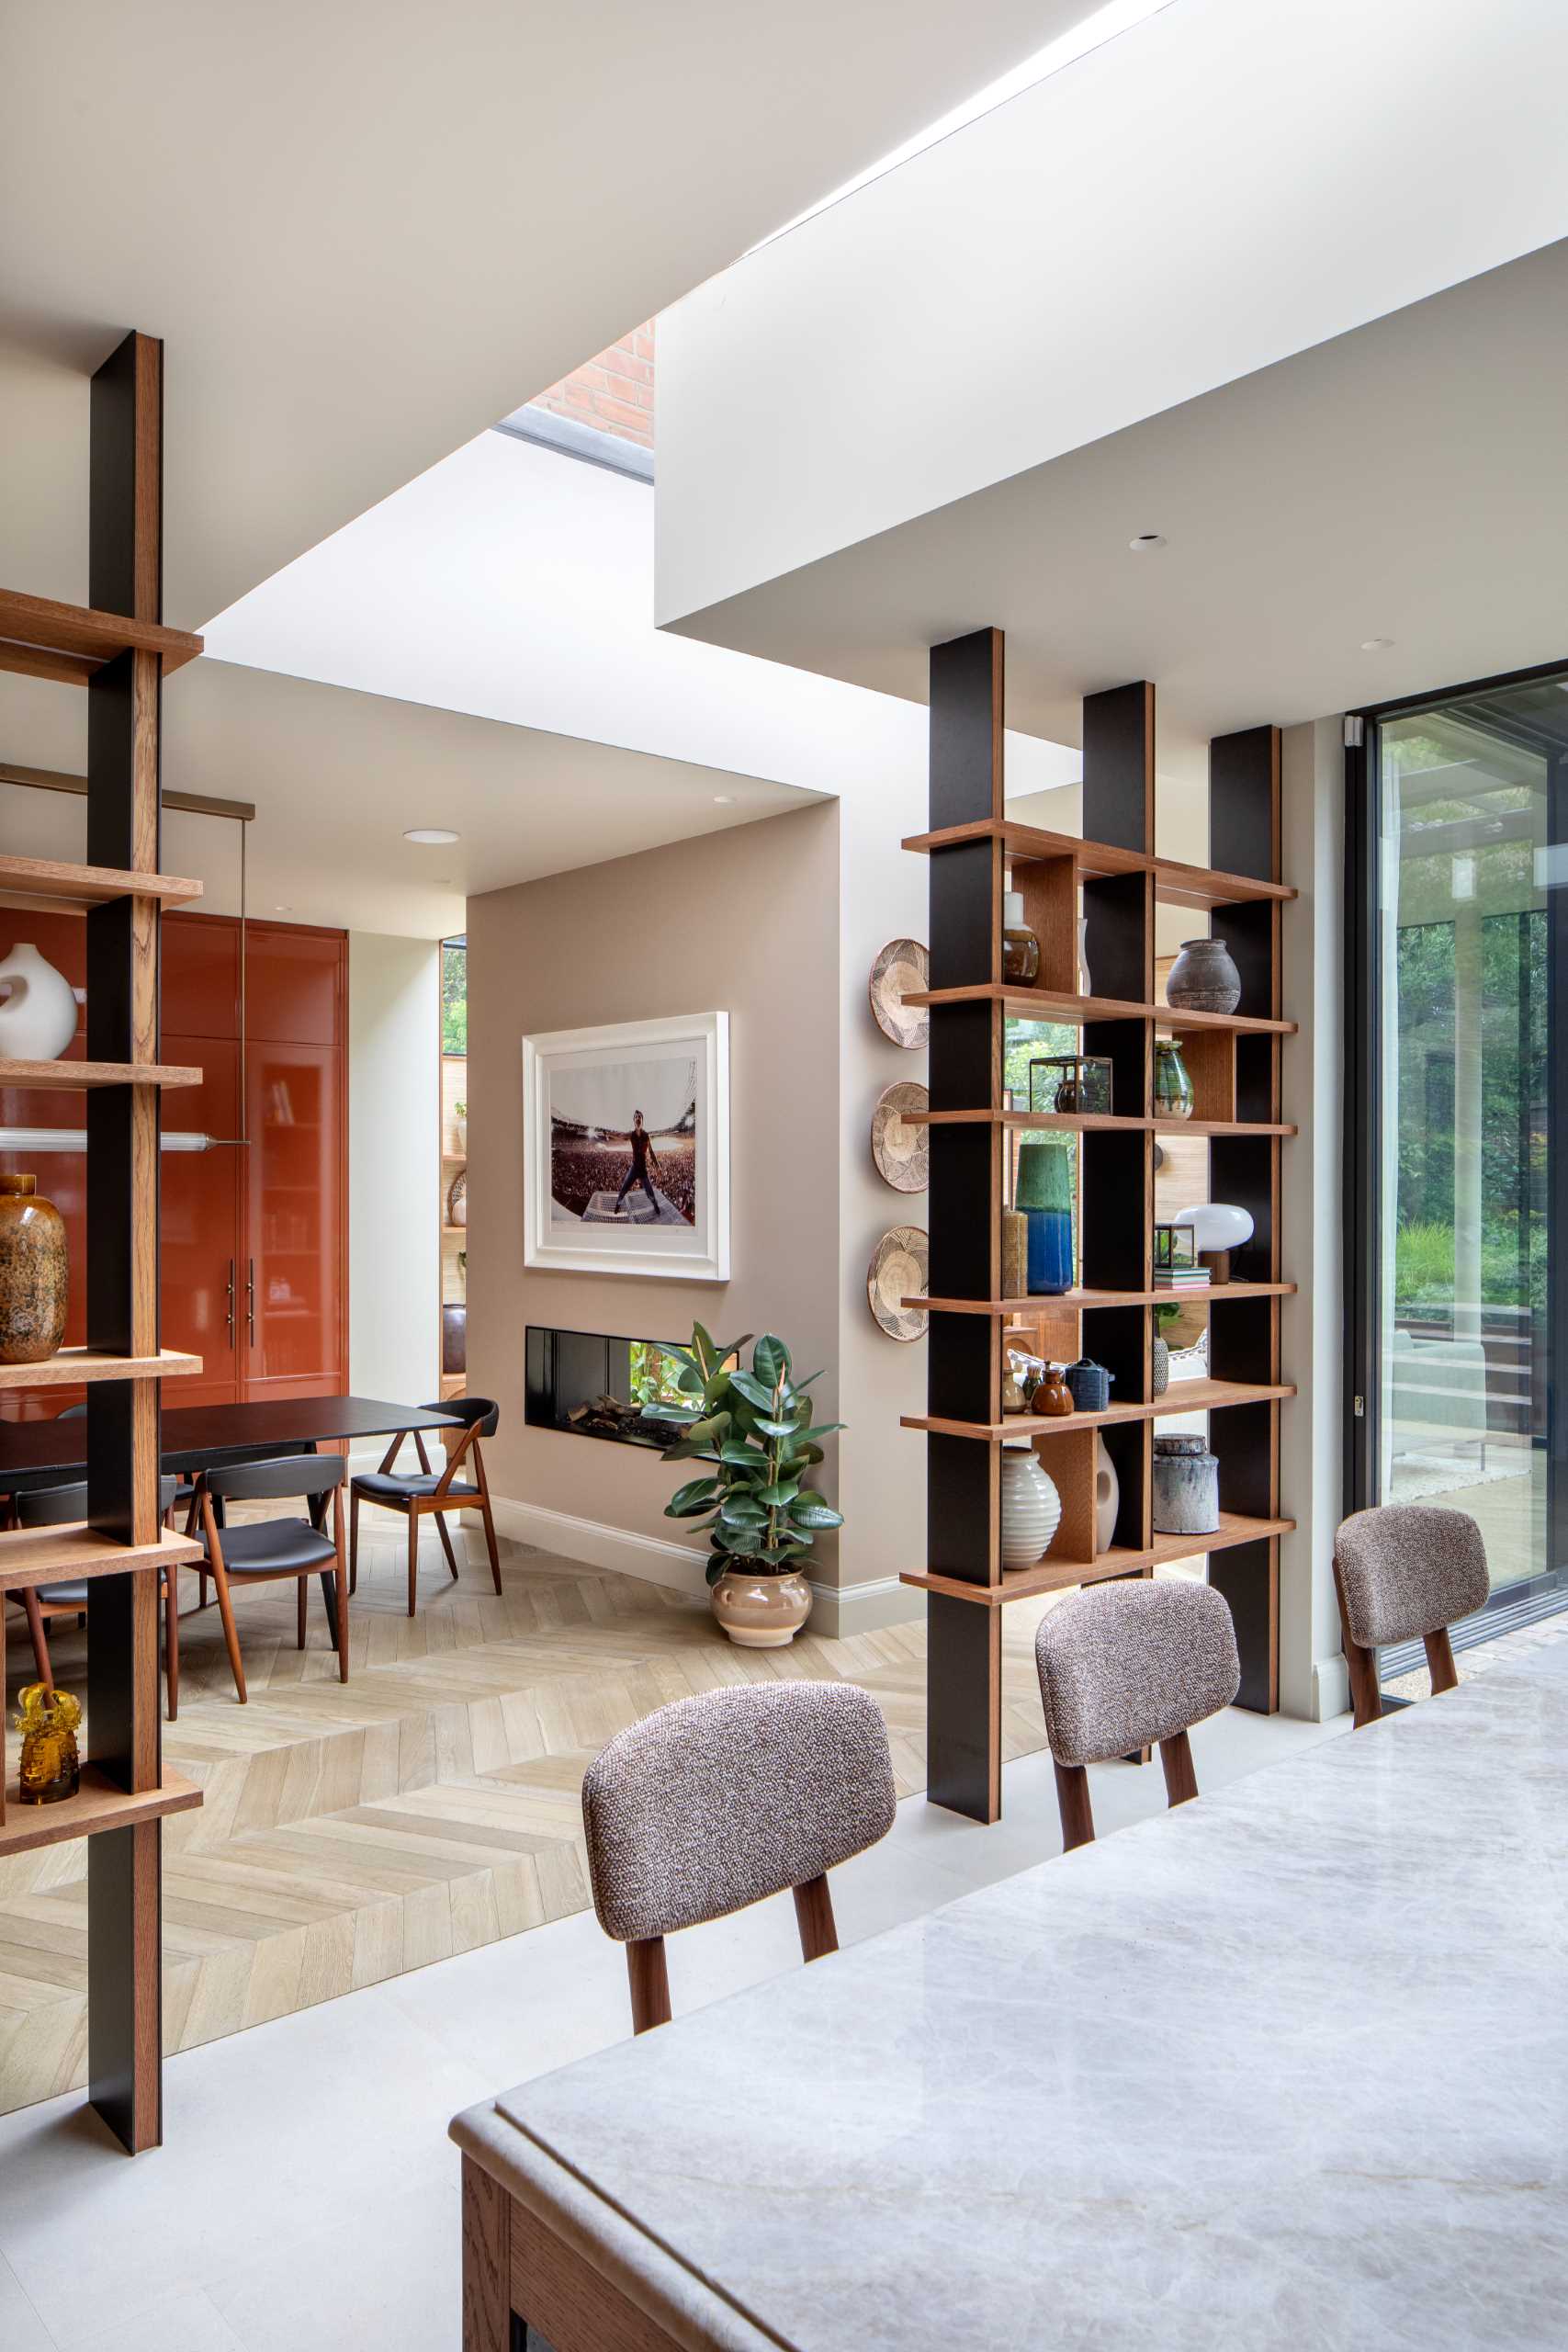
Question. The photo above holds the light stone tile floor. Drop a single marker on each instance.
(306, 2197)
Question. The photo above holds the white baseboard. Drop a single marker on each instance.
(601, 1547)
(1330, 1687)
(836, 1613)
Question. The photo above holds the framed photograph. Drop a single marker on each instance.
(626, 1148)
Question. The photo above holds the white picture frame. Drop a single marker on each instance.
(595, 1201)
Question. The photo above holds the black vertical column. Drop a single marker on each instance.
(124, 1955)
(963, 1474)
(1244, 1335)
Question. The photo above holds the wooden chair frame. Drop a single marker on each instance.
(40, 1613)
(1366, 1697)
(1072, 1798)
(435, 1505)
(648, 1975)
(216, 1567)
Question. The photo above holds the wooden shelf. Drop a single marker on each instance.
(447, 1231)
(89, 885)
(68, 642)
(1181, 1396)
(453, 1159)
(73, 1078)
(1053, 1574)
(1046, 1005)
(30, 1555)
(68, 1366)
(1096, 1121)
(1087, 1300)
(1177, 884)
(98, 1804)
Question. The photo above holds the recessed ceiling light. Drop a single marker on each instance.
(431, 836)
(1147, 542)
(724, 800)
(1376, 644)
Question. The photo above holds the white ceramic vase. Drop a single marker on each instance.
(1085, 985)
(1107, 1495)
(38, 1018)
(1032, 1509)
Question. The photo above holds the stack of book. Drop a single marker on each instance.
(1181, 1278)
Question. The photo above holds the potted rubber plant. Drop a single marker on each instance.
(761, 1514)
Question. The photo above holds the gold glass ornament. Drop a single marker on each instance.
(48, 1721)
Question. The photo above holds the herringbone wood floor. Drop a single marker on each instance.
(351, 1832)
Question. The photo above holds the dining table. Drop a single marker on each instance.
(1287, 2066)
(201, 1437)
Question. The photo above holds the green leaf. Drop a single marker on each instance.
(693, 1495)
(662, 1412)
(807, 1456)
(776, 1497)
(770, 1360)
(737, 1450)
(776, 1428)
(751, 1388)
(810, 1510)
(737, 1511)
(715, 1568)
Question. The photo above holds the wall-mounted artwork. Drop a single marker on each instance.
(627, 1149)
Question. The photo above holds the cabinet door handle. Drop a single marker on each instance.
(250, 1298)
(230, 1305)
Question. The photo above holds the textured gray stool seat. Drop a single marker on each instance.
(714, 1803)
(1122, 1666)
(1403, 1572)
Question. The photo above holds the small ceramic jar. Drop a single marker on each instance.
(1186, 1487)
(1203, 978)
(1052, 1399)
(1091, 1385)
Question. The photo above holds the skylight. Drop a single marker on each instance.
(1105, 24)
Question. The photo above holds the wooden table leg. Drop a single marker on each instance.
(487, 2310)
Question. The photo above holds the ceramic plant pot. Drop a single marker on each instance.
(38, 1018)
(1203, 978)
(1032, 1509)
(760, 1612)
(34, 1274)
(1107, 1495)
(1186, 1487)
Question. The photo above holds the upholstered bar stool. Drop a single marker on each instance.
(1125, 1665)
(714, 1803)
(1403, 1569)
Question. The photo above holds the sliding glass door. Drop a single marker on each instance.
(1461, 1026)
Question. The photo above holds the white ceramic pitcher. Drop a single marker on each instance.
(37, 1016)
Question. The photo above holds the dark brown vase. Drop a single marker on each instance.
(34, 1274)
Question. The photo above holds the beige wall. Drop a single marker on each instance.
(746, 922)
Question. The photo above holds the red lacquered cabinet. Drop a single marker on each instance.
(255, 1265)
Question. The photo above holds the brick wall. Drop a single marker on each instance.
(612, 392)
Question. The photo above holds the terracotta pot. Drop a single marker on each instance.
(759, 1611)
(34, 1274)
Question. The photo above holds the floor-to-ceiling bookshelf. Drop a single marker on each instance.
(1113, 878)
(119, 649)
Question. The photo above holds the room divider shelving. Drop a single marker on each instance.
(119, 652)
(1114, 878)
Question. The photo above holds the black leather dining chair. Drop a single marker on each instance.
(57, 1507)
(427, 1492)
(260, 1550)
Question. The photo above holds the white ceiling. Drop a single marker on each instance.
(368, 229)
(1404, 481)
(338, 776)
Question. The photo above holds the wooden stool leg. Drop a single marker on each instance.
(41, 1643)
(649, 1979)
(354, 1543)
(1440, 1659)
(440, 1519)
(1180, 1781)
(1072, 1802)
(1366, 1699)
(300, 1614)
(230, 1636)
(814, 1917)
(490, 1538)
(414, 1559)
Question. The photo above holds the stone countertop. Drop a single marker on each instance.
(1289, 2065)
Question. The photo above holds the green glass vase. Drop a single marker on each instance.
(1173, 1084)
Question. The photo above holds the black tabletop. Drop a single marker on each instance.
(32, 1452)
